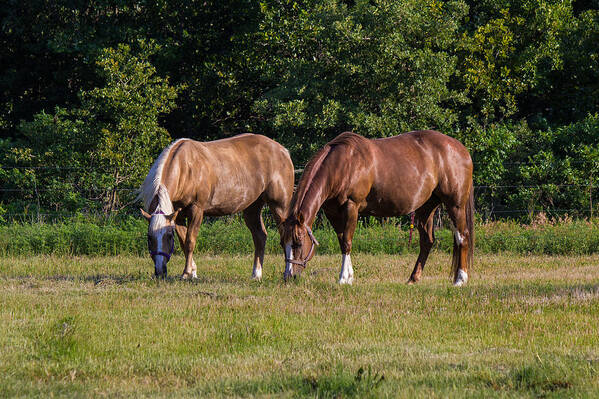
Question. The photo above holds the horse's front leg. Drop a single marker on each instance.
(196, 215)
(181, 230)
(347, 225)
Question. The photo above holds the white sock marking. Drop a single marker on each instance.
(346, 276)
(458, 237)
(462, 278)
(257, 273)
(194, 269)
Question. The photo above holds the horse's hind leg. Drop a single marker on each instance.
(252, 216)
(461, 243)
(424, 221)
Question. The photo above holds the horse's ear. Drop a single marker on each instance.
(173, 216)
(145, 214)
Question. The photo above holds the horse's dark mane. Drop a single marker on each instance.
(348, 138)
(313, 166)
(307, 177)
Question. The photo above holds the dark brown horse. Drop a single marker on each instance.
(413, 172)
(223, 177)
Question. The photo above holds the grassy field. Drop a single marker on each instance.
(524, 326)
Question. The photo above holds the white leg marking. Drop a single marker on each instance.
(462, 278)
(194, 269)
(288, 255)
(346, 276)
(257, 272)
(458, 238)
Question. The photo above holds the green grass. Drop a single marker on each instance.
(524, 326)
(230, 236)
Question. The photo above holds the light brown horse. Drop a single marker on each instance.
(413, 172)
(223, 177)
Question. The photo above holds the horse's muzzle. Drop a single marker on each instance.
(160, 272)
(295, 272)
(288, 276)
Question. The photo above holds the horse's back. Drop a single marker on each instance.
(247, 151)
(225, 176)
(246, 141)
(424, 151)
(251, 154)
(403, 171)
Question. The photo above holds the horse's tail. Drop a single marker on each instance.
(470, 227)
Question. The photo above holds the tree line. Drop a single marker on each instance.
(91, 91)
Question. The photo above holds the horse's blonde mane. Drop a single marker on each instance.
(152, 185)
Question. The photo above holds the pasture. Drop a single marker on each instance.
(524, 326)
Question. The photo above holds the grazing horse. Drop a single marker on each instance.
(413, 172)
(223, 177)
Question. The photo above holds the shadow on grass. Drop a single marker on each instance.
(553, 375)
(523, 289)
(103, 278)
(340, 383)
(96, 279)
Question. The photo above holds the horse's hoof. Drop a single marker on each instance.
(344, 281)
(415, 277)
(461, 278)
(257, 275)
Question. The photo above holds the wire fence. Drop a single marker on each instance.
(485, 199)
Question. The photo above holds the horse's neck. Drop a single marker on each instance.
(315, 196)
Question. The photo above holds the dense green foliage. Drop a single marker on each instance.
(231, 237)
(91, 91)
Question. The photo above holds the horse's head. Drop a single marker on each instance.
(161, 239)
(299, 244)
